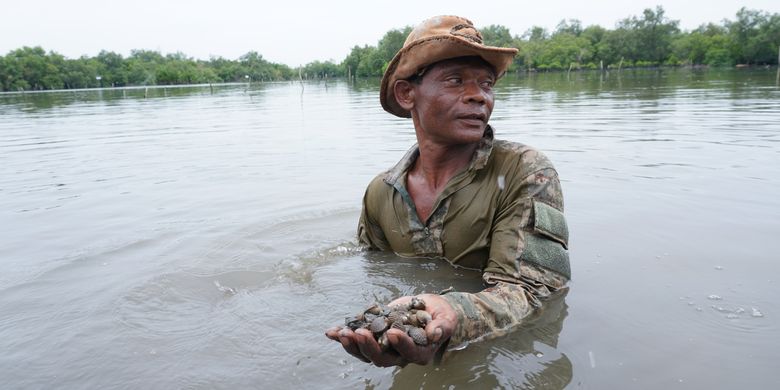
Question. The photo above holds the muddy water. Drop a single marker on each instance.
(199, 239)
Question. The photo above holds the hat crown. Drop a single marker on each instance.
(445, 25)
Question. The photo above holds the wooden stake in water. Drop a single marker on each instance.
(300, 78)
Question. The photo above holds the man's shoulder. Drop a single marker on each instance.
(379, 181)
(530, 158)
(378, 189)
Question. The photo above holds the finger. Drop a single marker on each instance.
(333, 333)
(348, 341)
(400, 301)
(406, 347)
(370, 348)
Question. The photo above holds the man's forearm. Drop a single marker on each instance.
(493, 311)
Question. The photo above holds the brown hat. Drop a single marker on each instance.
(436, 39)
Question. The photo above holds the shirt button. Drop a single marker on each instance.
(427, 232)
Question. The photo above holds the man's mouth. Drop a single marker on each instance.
(473, 116)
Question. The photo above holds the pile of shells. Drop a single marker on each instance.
(410, 318)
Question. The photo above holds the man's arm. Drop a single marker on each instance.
(369, 233)
(496, 309)
(528, 259)
(529, 230)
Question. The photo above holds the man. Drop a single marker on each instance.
(461, 195)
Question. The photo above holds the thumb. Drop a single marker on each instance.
(439, 330)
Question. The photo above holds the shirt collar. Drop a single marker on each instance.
(478, 160)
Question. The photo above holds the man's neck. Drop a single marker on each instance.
(437, 163)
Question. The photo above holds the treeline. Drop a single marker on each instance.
(650, 39)
(34, 69)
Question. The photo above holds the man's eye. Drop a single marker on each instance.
(487, 84)
(454, 80)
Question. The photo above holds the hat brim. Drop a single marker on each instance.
(417, 55)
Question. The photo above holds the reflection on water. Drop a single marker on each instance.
(36, 100)
(204, 236)
(526, 358)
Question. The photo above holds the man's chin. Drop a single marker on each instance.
(471, 135)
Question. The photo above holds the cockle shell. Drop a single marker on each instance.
(384, 344)
(374, 309)
(379, 325)
(423, 317)
(397, 316)
(417, 303)
(419, 336)
(410, 318)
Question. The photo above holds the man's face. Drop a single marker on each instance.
(454, 100)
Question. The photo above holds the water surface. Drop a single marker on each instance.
(199, 238)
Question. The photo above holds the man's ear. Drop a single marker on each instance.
(404, 94)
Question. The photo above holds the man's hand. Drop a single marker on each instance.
(362, 345)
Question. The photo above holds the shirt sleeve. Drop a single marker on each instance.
(369, 232)
(528, 259)
(495, 310)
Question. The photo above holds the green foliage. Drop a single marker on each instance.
(571, 27)
(111, 69)
(565, 50)
(650, 39)
(707, 45)
(34, 69)
(531, 47)
(652, 35)
(31, 68)
(372, 63)
(178, 69)
(352, 61)
(258, 69)
(391, 42)
(369, 61)
(495, 35)
(718, 57)
(321, 70)
(755, 36)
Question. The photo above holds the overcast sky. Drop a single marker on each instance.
(298, 32)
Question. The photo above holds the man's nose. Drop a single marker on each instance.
(474, 93)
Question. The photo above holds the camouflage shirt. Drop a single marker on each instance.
(502, 215)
